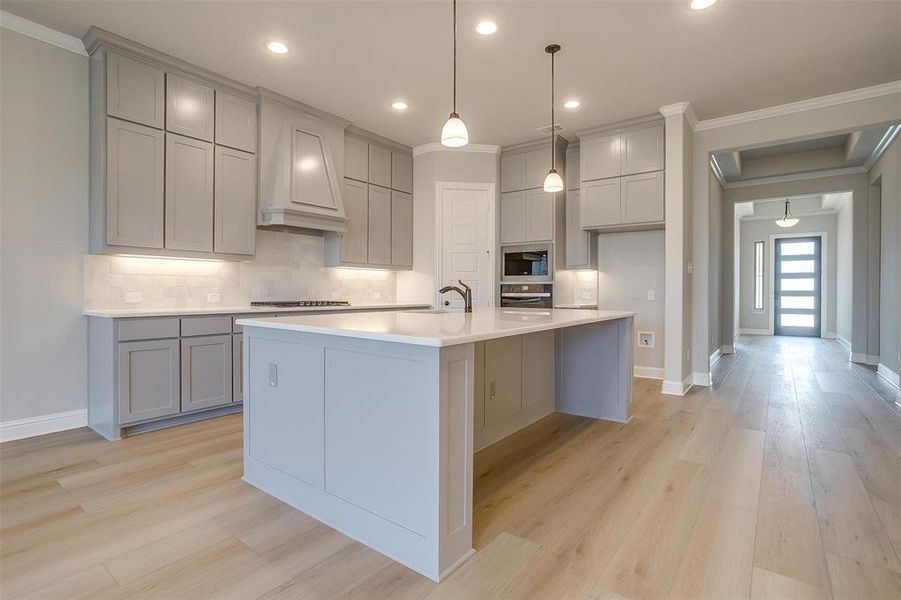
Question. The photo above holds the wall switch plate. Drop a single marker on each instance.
(651, 295)
(645, 339)
(134, 297)
(214, 297)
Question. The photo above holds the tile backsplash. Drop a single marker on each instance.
(286, 266)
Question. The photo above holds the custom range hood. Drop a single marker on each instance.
(301, 150)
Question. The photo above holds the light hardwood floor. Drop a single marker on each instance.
(783, 480)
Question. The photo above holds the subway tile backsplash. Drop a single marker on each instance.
(287, 266)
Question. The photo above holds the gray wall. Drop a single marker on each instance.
(754, 230)
(887, 174)
(630, 264)
(843, 272)
(43, 227)
(714, 272)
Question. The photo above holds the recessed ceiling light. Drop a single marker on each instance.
(399, 105)
(702, 4)
(572, 104)
(486, 27)
(276, 47)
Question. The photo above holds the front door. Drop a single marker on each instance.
(797, 286)
(466, 242)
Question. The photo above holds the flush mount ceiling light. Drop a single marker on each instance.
(454, 133)
(553, 182)
(399, 105)
(787, 219)
(276, 47)
(486, 27)
(572, 104)
(702, 4)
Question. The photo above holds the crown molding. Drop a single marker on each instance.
(680, 108)
(882, 146)
(795, 177)
(267, 94)
(561, 142)
(619, 126)
(875, 91)
(473, 148)
(359, 132)
(41, 33)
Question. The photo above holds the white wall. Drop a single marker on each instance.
(887, 173)
(43, 227)
(761, 230)
(843, 282)
(714, 272)
(630, 265)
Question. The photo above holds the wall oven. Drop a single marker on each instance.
(527, 295)
(527, 264)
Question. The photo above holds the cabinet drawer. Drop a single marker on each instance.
(148, 329)
(205, 325)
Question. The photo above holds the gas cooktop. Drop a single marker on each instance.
(299, 303)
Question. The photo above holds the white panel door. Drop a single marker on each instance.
(466, 244)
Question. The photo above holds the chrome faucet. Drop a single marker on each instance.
(466, 292)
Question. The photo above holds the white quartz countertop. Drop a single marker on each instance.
(122, 313)
(575, 306)
(436, 327)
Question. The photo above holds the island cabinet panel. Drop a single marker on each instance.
(537, 369)
(379, 242)
(189, 194)
(513, 218)
(374, 438)
(356, 159)
(236, 122)
(135, 90)
(503, 379)
(190, 106)
(206, 366)
(285, 419)
(234, 214)
(148, 380)
(401, 229)
(379, 166)
(135, 190)
(642, 150)
(238, 367)
(600, 203)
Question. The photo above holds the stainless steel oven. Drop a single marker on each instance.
(527, 295)
(527, 264)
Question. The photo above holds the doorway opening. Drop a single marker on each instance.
(797, 289)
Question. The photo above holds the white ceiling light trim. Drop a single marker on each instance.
(41, 33)
(572, 104)
(702, 4)
(486, 28)
(276, 47)
(399, 105)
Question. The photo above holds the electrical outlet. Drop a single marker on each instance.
(134, 297)
(645, 339)
(214, 297)
(651, 295)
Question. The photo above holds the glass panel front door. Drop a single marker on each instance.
(797, 286)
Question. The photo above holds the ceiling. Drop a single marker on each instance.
(621, 59)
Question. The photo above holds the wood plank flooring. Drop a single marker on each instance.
(782, 480)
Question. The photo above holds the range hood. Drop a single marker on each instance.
(301, 152)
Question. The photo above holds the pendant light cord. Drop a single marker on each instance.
(553, 130)
(455, 57)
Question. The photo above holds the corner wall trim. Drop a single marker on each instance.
(749, 331)
(42, 33)
(717, 354)
(701, 379)
(889, 375)
(677, 388)
(727, 349)
(647, 372)
(845, 343)
(864, 359)
(32, 426)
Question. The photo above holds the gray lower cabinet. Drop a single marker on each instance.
(238, 367)
(148, 380)
(206, 368)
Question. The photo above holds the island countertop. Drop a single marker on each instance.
(436, 327)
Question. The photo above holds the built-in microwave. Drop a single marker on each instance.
(527, 264)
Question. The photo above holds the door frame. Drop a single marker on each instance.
(824, 263)
(440, 187)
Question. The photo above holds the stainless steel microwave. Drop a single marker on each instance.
(527, 264)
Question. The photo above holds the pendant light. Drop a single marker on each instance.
(787, 219)
(454, 133)
(553, 182)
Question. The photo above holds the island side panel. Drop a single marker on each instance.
(377, 441)
(594, 370)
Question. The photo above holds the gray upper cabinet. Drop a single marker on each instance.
(234, 211)
(189, 194)
(600, 203)
(572, 169)
(401, 229)
(642, 150)
(600, 157)
(134, 185)
(356, 159)
(236, 121)
(537, 165)
(379, 166)
(642, 198)
(355, 241)
(580, 245)
(513, 172)
(539, 216)
(379, 242)
(135, 91)
(402, 172)
(148, 380)
(190, 107)
(513, 217)
(206, 367)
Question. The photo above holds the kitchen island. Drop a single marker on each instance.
(368, 422)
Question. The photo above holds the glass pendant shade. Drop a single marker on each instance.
(787, 219)
(454, 133)
(553, 182)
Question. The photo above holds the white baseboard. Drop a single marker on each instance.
(677, 388)
(715, 356)
(748, 331)
(730, 349)
(702, 379)
(864, 359)
(32, 426)
(829, 335)
(845, 343)
(889, 375)
(647, 372)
